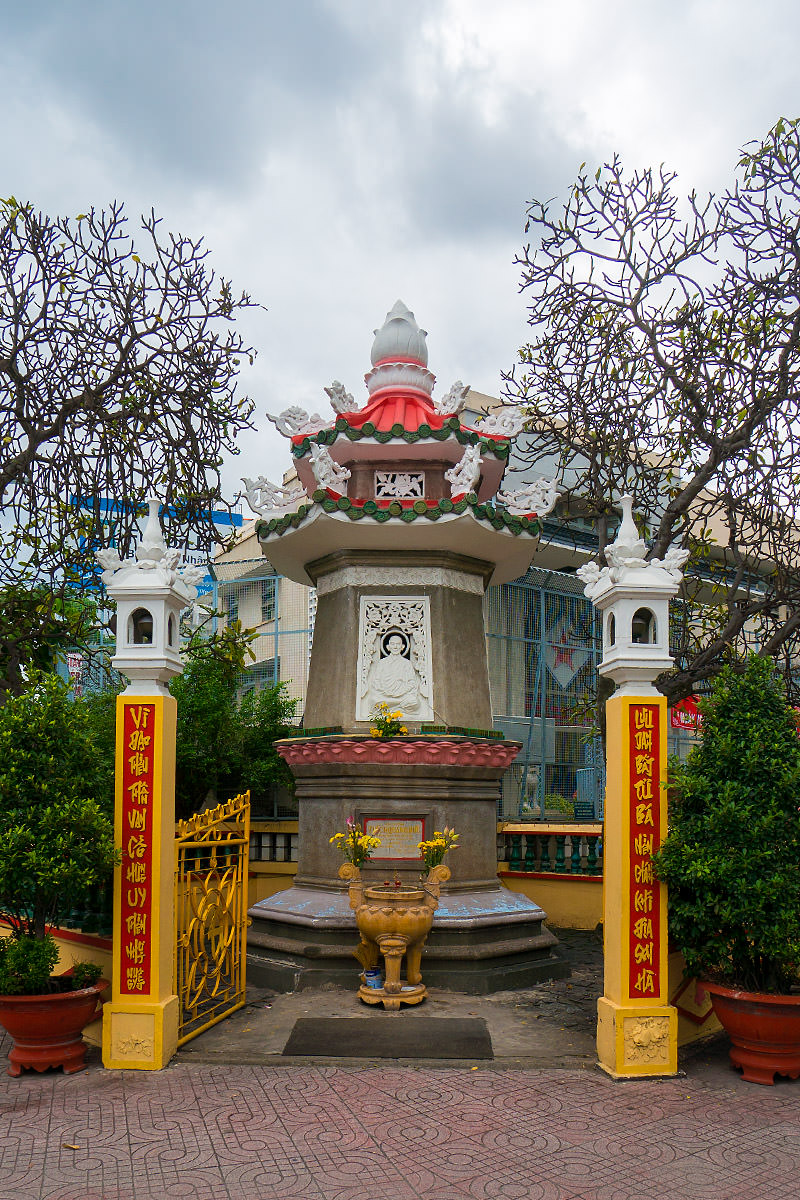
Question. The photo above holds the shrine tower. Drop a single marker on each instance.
(398, 523)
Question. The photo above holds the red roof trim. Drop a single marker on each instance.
(400, 358)
(397, 406)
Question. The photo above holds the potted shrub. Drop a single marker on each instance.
(57, 844)
(731, 861)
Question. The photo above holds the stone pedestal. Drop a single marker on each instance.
(484, 938)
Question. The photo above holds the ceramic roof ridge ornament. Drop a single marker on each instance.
(341, 400)
(464, 476)
(399, 358)
(152, 549)
(400, 337)
(454, 402)
(295, 421)
(327, 472)
(539, 497)
(508, 422)
(266, 497)
(152, 556)
(628, 554)
(628, 549)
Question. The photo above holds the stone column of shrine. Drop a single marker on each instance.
(397, 523)
(637, 1028)
(140, 1023)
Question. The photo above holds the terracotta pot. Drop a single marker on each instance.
(764, 1029)
(46, 1030)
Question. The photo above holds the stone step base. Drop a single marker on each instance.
(296, 972)
(482, 941)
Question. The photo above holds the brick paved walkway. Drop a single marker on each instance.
(396, 1133)
(211, 1130)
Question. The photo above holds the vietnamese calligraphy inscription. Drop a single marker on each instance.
(645, 838)
(134, 933)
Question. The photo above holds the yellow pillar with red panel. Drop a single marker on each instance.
(637, 1028)
(140, 1023)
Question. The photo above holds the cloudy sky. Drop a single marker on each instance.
(340, 154)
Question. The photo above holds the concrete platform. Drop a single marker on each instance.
(550, 1025)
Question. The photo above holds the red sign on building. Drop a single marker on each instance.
(645, 834)
(137, 849)
(685, 715)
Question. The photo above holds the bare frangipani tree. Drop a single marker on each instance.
(665, 361)
(118, 367)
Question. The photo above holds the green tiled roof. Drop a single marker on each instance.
(498, 518)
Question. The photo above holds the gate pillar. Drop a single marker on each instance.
(140, 1023)
(637, 1029)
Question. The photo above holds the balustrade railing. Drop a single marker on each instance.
(576, 851)
(526, 849)
(92, 912)
(273, 845)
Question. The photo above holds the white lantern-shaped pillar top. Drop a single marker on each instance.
(633, 595)
(151, 591)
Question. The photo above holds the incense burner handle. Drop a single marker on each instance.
(436, 877)
(355, 886)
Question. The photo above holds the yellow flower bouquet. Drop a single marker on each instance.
(385, 723)
(355, 845)
(435, 848)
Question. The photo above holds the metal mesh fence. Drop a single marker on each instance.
(544, 644)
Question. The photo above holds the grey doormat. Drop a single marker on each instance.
(395, 1037)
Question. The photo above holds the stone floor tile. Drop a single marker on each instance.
(23, 1176)
(221, 1132)
(260, 1181)
(494, 1188)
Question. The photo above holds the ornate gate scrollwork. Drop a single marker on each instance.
(211, 859)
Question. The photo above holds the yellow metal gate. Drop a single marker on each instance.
(211, 861)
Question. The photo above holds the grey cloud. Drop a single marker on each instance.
(194, 94)
(189, 86)
(473, 180)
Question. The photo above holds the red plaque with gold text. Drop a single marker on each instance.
(137, 849)
(645, 835)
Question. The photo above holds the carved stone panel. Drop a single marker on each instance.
(394, 656)
(646, 1040)
(132, 1036)
(399, 485)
